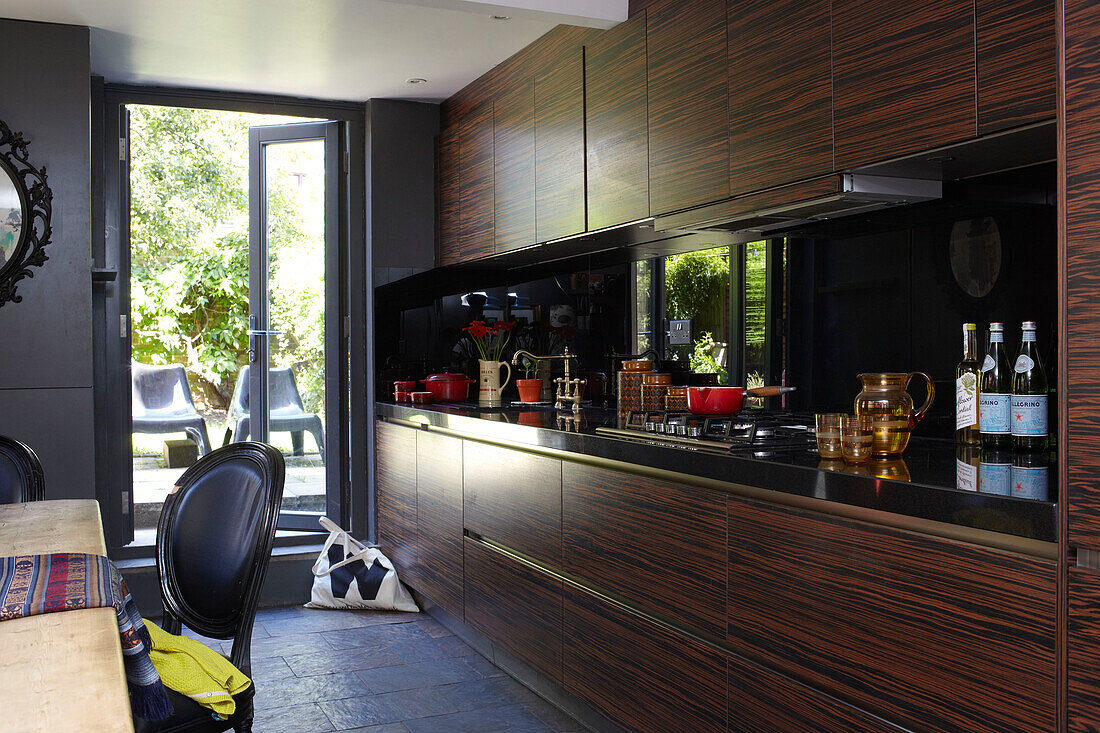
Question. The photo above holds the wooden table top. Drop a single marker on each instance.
(60, 671)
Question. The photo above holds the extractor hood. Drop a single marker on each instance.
(818, 199)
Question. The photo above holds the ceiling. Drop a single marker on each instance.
(327, 49)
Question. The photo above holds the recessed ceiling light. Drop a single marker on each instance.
(416, 80)
(501, 17)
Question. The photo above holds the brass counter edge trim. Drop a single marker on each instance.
(971, 535)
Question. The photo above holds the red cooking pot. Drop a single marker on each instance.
(448, 387)
(726, 400)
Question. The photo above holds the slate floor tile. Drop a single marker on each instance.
(428, 650)
(420, 674)
(433, 628)
(389, 728)
(269, 669)
(555, 719)
(345, 660)
(312, 621)
(292, 719)
(287, 646)
(370, 635)
(487, 693)
(315, 688)
(390, 707)
(512, 719)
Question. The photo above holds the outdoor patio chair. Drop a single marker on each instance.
(162, 403)
(287, 412)
(21, 477)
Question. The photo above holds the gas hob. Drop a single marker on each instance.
(751, 432)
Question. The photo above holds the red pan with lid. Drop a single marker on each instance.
(448, 387)
(726, 400)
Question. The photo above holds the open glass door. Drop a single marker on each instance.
(293, 324)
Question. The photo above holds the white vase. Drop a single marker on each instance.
(489, 384)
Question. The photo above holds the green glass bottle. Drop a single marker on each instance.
(995, 399)
(1030, 395)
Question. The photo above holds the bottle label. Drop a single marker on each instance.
(1029, 415)
(995, 413)
(996, 337)
(1030, 483)
(966, 476)
(989, 363)
(995, 478)
(1024, 363)
(966, 401)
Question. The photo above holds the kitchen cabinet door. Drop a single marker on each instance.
(903, 77)
(637, 538)
(953, 636)
(514, 181)
(780, 93)
(1016, 68)
(559, 147)
(642, 676)
(439, 520)
(616, 125)
(513, 498)
(395, 495)
(516, 606)
(689, 142)
(476, 234)
(1083, 650)
(447, 197)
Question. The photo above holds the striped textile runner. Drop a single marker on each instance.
(34, 584)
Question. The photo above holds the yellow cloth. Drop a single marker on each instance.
(193, 669)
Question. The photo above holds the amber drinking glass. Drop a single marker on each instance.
(856, 432)
(828, 434)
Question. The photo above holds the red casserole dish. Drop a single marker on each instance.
(726, 400)
(448, 387)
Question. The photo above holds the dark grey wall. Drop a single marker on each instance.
(401, 186)
(46, 340)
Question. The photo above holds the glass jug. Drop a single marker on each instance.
(884, 397)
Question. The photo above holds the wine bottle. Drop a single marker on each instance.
(1030, 428)
(995, 398)
(967, 376)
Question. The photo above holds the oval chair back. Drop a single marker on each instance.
(21, 477)
(214, 542)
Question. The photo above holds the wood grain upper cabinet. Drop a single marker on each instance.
(476, 234)
(513, 498)
(954, 636)
(780, 99)
(447, 198)
(559, 147)
(903, 77)
(514, 128)
(395, 495)
(616, 125)
(689, 143)
(1016, 67)
(439, 520)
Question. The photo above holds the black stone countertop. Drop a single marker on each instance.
(930, 492)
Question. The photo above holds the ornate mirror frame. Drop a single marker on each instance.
(36, 202)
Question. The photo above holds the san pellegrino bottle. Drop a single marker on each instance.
(995, 398)
(995, 472)
(967, 376)
(1030, 395)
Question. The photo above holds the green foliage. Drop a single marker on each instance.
(704, 357)
(756, 269)
(189, 251)
(694, 282)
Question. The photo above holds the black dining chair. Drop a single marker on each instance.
(213, 545)
(21, 477)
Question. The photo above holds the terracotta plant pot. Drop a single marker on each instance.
(530, 390)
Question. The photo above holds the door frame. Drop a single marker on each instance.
(260, 138)
(111, 298)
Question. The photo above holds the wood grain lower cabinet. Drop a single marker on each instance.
(514, 499)
(439, 520)
(640, 675)
(519, 608)
(1083, 651)
(657, 544)
(395, 495)
(763, 700)
(926, 631)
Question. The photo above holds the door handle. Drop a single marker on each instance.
(260, 332)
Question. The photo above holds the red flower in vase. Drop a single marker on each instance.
(478, 329)
(502, 326)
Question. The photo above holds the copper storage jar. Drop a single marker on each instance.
(653, 396)
(677, 399)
